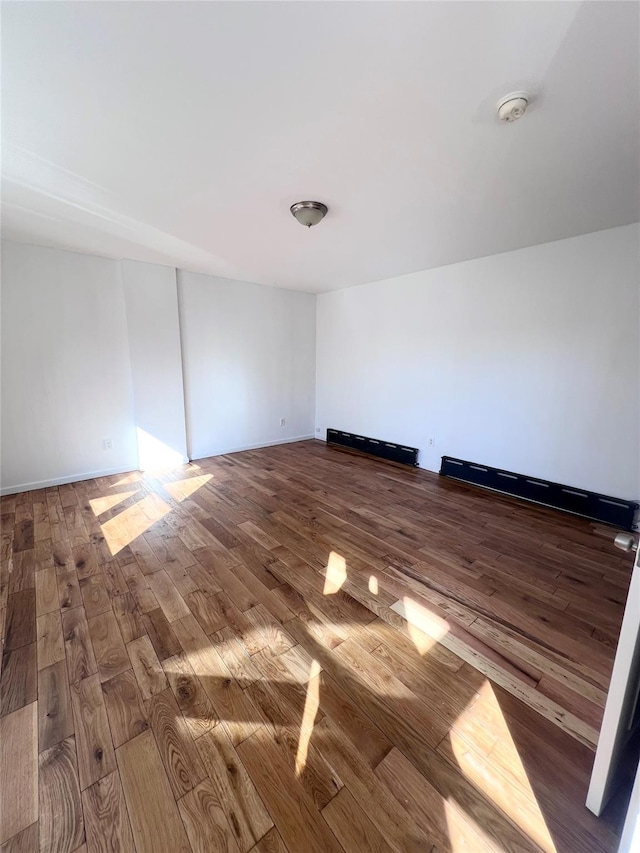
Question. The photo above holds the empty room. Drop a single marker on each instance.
(320, 427)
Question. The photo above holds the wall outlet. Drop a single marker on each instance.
(432, 442)
(282, 421)
(107, 444)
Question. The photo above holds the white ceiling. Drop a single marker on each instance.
(182, 132)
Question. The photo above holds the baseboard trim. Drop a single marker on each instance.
(225, 451)
(90, 475)
(62, 481)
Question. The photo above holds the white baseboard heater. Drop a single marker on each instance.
(609, 510)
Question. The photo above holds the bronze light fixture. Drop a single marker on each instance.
(309, 212)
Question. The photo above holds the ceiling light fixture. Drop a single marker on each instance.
(513, 106)
(309, 212)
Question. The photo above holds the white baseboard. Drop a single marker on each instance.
(61, 481)
(223, 452)
(90, 475)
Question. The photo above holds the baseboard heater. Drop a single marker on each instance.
(374, 446)
(578, 501)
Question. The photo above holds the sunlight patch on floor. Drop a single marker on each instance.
(311, 704)
(335, 573)
(133, 522)
(424, 628)
(501, 776)
(100, 505)
(373, 584)
(465, 835)
(127, 480)
(182, 489)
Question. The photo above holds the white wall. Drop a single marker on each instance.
(66, 380)
(526, 360)
(151, 299)
(249, 360)
(92, 350)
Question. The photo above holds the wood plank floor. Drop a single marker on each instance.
(296, 649)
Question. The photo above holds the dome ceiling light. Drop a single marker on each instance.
(309, 212)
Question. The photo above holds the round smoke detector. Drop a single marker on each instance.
(513, 106)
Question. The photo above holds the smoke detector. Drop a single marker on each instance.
(513, 106)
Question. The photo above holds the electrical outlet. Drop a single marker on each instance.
(107, 444)
(432, 442)
(282, 421)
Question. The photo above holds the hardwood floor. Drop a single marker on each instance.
(296, 649)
